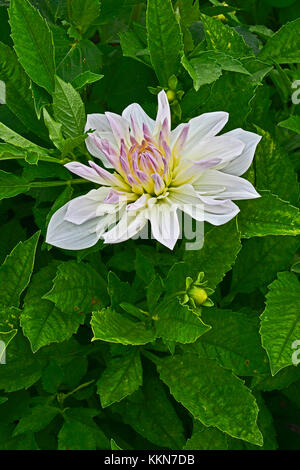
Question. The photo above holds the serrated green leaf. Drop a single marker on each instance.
(240, 90)
(33, 43)
(11, 185)
(113, 327)
(80, 432)
(133, 47)
(212, 394)
(176, 322)
(292, 123)
(42, 322)
(77, 287)
(260, 260)
(164, 39)
(208, 65)
(85, 78)
(269, 159)
(284, 45)
(151, 414)
(280, 321)
(233, 342)
(204, 438)
(54, 128)
(37, 418)
(268, 215)
(16, 271)
(17, 83)
(122, 377)
(119, 291)
(216, 257)
(202, 70)
(223, 38)
(82, 14)
(22, 368)
(68, 108)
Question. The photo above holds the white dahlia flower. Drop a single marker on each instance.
(154, 173)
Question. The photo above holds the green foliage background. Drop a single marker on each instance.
(99, 354)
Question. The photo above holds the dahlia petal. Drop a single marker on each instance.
(201, 127)
(85, 172)
(187, 200)
(164, 223)
(240, 164)
(223, 147)
(69, 236)
(163, 118)
(119, 126)
(130, 224)
(100, 123)
(219, 212)
(136, 117)
(83, 208)
(225, 186)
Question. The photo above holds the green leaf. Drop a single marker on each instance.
(230, 407)
(269, 159)
(240, 90)
(77, 287)
(80, 432)
(62, 199)
(74, 59)
(202, 70)
(233, 342)
(204, 438)
(9, 321)
(223, 38)
(22, 368)
(207, 67)
(133, 47)
(11, 185)
(16, 271)
(280, 321)
(268, 215)
(33, 43)
(150, 413)
(114, 445)
(122, 377)
(82, 14)
(176, 322)
(54, 128)
(260, 260)
(85, 78)
(42, 322)
(11, 137)
(144, 267)
(292, 123)
(216, 257)
(113, 327)
(17, 83)
(164, 39)
(154, 291)
(284, 45)
(119, 291)
(5, 338)
(41, 98)
(71, 143)
(36, 419)
(68, 108)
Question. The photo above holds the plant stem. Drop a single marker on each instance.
(48, 184)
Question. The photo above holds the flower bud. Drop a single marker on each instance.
(171, 95)
(198, 294)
